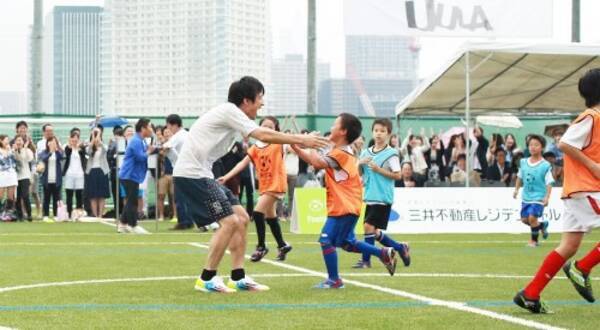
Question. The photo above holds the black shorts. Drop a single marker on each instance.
(203, 201)
(378, 215)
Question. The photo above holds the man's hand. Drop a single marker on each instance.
(314, 141)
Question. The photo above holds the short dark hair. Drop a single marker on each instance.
(245, 88)
(74, 129)
(273, 119)
(549, 154)
(352, 125)
(21, 123)
(118, 131)
(174, 119)
(141, 123)
(499, 150)
(45, 126)
(383, 122)
(538, 138)
(589, 87)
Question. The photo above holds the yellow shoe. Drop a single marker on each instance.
(246, 284)
(173, 220)
(214, 285)
(47, 220)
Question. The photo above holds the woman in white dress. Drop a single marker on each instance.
(8, 178)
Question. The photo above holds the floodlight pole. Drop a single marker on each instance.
(311, 59)
(468, 117)
(575, 21)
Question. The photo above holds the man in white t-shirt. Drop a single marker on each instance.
(581, 194)
(173, 147)
(205, 201)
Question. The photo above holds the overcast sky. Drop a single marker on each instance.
(288, 19)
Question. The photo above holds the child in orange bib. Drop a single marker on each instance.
(268, 159)
(344, 199)
(581, 193)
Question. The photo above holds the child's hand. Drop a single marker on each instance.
(222, 180)
(365, 160)
(373, 166)
(545, 201)
(515, 194)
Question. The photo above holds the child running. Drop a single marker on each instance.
(535, 176)
(344, 199)
(581, 195)
(380, 167)
(268, 159)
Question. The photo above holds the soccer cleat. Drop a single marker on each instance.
(330, 284)
(47, 220)
(389, 259)
(361, 264)
(246, 284)
(123, 229)
(214, 285)
(259, 254)
(139, 230)
(405, 254)
(533, 244)
(282, 252)
(545, 233)
(535, 306)
(580, 281)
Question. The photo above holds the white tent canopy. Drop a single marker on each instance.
(505, 78)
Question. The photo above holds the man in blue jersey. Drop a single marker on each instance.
(535, 176)
(380, 167)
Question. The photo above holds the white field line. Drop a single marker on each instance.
(5, 328)
(431, 301)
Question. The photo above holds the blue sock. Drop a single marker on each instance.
(331, 261)
(364, 248)
(389, 242)
(369, 239)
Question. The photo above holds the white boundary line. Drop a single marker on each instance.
(431, 301)
(5, 328)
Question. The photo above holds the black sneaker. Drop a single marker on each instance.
(580, 281)
(389, 259)
(282, 252)
(260, 253)
(534, 306)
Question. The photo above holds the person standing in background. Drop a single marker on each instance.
(74, 172)
(52, 177)
(23, 156)
(97, 189)
(133, 173)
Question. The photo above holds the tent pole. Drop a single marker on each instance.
(468, 116)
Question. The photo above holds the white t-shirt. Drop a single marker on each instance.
(75, 170)
(96, 159)
(52, 168)
(291, 162)
(175, 144)
(579, 136)
(210, 138)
